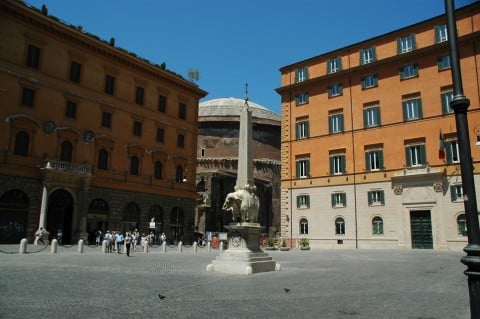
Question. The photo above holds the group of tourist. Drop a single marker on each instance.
(116, 241)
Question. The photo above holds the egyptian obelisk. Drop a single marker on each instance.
(244, 255)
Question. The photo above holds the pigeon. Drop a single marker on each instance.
(161, 296)
(286, 290)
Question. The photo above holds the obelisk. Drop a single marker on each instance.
(244, 255)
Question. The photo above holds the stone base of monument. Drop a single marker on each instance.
(244, 255)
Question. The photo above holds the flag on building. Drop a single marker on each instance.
(441, 149)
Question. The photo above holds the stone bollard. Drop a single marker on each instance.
(209, 246)
(80, 246)
(145, 247)
(180, 246)
(195, 247)
(23, 246)
(164, 247)
(105, 246)
(221, 246)
(54, 247)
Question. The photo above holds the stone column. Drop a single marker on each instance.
(43, 208)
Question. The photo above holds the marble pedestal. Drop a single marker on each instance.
(244, 255)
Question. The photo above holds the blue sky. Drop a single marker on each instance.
(232, 42)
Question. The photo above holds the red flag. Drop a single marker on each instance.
(441, 149)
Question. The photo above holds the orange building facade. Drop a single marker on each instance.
(92, 137)
(362, 165)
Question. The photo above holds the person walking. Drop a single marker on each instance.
(59, 236)
(128, 242)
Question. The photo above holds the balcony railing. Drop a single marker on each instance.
(68, 167)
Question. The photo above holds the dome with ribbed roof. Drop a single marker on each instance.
(230, 107)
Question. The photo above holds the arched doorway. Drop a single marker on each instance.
(155, 215)
(60, 214)
(13, 216)
(97, 218)
(176, 225)
(131, 217)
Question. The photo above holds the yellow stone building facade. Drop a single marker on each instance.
(362, 165)
(92, 137)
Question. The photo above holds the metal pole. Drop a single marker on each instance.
(460, 105)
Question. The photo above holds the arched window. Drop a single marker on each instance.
(102, 159)
(134, 165)
(303, 226)
(66, 151)
(158, 174)
(21, 143)
(377, 225)
(179, 174)
(339, 226)
(462, 225)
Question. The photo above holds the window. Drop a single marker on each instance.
(160, 135)
(301, 74)
(180, 140)
(162, 103)
(179, 174)
(302, 129)
(443, 63)
(408, 71)
(28, 96)
(22, 139)
(102, 159)
(376, 198)
(158, 173)
(441, 33)
(66, 151)
(301, 98)
(182, 111)
(334, 65)
(109, 84)
(462, 225)
(75, 69)
(137, 128)
(106, 119)
(202, 152)
(406, 44)
(371, 116)
(303, 168)
(139, 92)
(339, 200)
(367, 55)
(71, 109)
(374, 160)
(335, 90)
(456, 192)
(303, 201)
(377, 226)
(339, 226)
(369, 81)
(337, 164)
(134, 165)
(412, 109)
(446, 98)
(335, 123)
(453, 153)
(415, 155)
(303, 226)
(33, 56)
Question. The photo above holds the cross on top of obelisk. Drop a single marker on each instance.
(246, 94)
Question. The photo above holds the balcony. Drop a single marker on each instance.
(68, 168)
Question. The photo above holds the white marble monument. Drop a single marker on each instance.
(244, 255)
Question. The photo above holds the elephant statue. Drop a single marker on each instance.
(243, 204)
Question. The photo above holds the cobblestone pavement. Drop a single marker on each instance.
(416, 284)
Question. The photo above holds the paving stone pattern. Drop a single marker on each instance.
(417, 284)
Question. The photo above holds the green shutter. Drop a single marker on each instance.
(297, 75)
(362, 60)
(453, 193)
(377, 113)
(380, 159)
(307, 197)
(298, 169)
(399, 46)
(365, 121)
(307, 167)
(437, 34)
(330, 91)
(330, 126)
(382, 197)
(404, 110)
(408, 158)
(423, 155)
(415, 68)
(332, 199)
(414, 42)
(307, 129)
(331, 165)
(344, 199)
(370, 198)
(340, 88)
(341, 122)
(375, 79)
(445, 103)
(449, 151)
(363, 82)
(305, 73)
(368, 165)
(298, 201)
(420, 111)
(329, 66)
(297, 130)
(440, 63)
(342, 163)
(374, 53)
(402, 72)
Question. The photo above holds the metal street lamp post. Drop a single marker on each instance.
(460, 104)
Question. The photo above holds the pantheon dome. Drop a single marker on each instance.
(217, 160)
